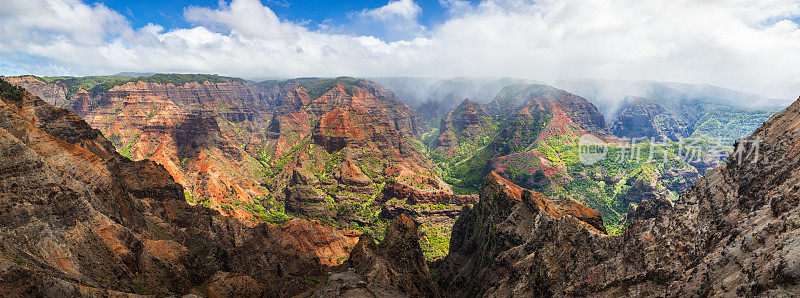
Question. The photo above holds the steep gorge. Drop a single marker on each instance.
(270, 151)
(531, 135)
(732, 233)
(79, 219)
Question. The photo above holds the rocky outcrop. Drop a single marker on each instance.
(292, 98)
(359, 147)
(193, 95)
(645, 185)
(680, 179)
(731, 234)
(330, 245)
(510, 243)
(375, 101)
(465, 123)
(367, 119)
(520, 118)
(423, 196)
(395, 265)
(54, 93)
(81, 102)
(644, 118)
(78, 219)
(199, 132)
(349, 174)
(531, 96)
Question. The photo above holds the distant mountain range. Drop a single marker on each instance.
(607, 95)
(345, 150)
(171, 184)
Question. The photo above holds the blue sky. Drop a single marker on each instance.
(745, 45)
(312, 13)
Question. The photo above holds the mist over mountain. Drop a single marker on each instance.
(399, 148)
(434, 97)
(608, 95)
(305, 175)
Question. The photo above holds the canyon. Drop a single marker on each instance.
(268, 152)
(732, 233)
(217, 186)
(79, 219)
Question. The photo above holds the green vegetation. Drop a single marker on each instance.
(274, 213)
(184, 161)
(435, 241)
(116, 140)
(205, 202)
(175, 79)
(516, 95)
(604, 185)
(74, 84)
(311, 281)
(730, 123)
(99, 84)
(11, 92)
(464, 170)
(332, 163)
(145, 289)
(317, 87)
(126, 151)
(286, 158)
(189, 197)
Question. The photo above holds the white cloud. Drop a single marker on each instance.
(456, 7)
(82, 24)
(398, 9)
(397, 20)
(248, 17)
(745, 45)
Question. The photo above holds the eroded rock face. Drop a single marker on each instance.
(78, 219)
(53, 93)
(356, 155)
(644, 118)
(416, 196)
(510, 242)
(731, 233)
(396, 264)
(348, 173)
(367, 120)
(330, 245)
(80, 102)
(645, 186)
(465, 123)
(577, 109)
(200, 132)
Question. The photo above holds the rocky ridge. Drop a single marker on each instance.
(78, 219)
(199, 132)
(643, 118)
(52, 93)
(395, 267)
(731, 233)
(530, 134)
(468, 122)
